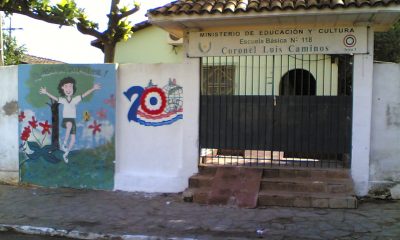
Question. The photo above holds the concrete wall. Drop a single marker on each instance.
(160, 159)
(385, 129)
(9, 124)
(148, 158)
(148, 45)
(157, 157)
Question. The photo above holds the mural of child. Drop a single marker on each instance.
(67, 89)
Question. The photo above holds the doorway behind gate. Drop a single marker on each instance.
(286, 110)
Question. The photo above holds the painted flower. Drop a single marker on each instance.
(95, 127)
(26, 133)
(27, 129)
(25, 136)
(33, 123)
(21, 116)
(102, 114)
(110, 101)
(46, 127)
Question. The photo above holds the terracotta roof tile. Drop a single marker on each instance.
(185, 8)
(300, 4)
(219, 7)
(230, 6)
(311, 3)
(275, 4)
(30, 59)
(140, 25)
(234, 6)
(348, 2)
(253, 5)
(288, 4)
(207, 7)
(264, 4)
(197, 8)
(241, 6)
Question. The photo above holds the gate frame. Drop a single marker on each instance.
(361, 116)
(214, 137)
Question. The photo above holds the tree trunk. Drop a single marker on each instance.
(109, 52)
(55, 123)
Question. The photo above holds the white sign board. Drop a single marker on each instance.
(323, 40)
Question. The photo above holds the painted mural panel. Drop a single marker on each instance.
(155, 106)
(67, 125)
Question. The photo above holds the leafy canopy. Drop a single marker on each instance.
(13, 53)
(67, 13)
(387, 45)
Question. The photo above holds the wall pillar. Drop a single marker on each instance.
(362, 107)
(191, 127)
(157, 158)
(9, 150)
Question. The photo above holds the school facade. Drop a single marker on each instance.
(246, 85)
(257, 60)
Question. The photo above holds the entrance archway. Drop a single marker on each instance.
(297, 82)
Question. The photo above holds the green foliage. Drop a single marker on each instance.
(13, 53)
(125, 29)
(67, 13)
(387, 45)
(50, 75)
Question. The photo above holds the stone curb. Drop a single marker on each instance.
(74, 234)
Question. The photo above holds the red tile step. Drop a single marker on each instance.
(306, 199)
(323, 185)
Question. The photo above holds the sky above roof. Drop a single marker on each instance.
(66, 43)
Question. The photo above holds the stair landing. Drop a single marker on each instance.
(286, 187)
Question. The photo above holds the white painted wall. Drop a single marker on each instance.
(9, 124)
(157, 159)
(362, 105)
(385, 133)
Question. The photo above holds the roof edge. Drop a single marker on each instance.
(280, 13)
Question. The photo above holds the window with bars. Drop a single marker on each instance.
(218, 80)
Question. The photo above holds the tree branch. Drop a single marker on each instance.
(90, 31)
(114, 6)
(39, 16)
(66, 13)
(128, 13)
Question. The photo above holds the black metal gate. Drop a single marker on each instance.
(289, 110)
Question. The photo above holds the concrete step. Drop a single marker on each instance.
(306, 199)
(198, 181)
(208, 170)
(306, 173)
(288, 187)
(201, 195)
(289, 172)
(197, 195)
(322, 185)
